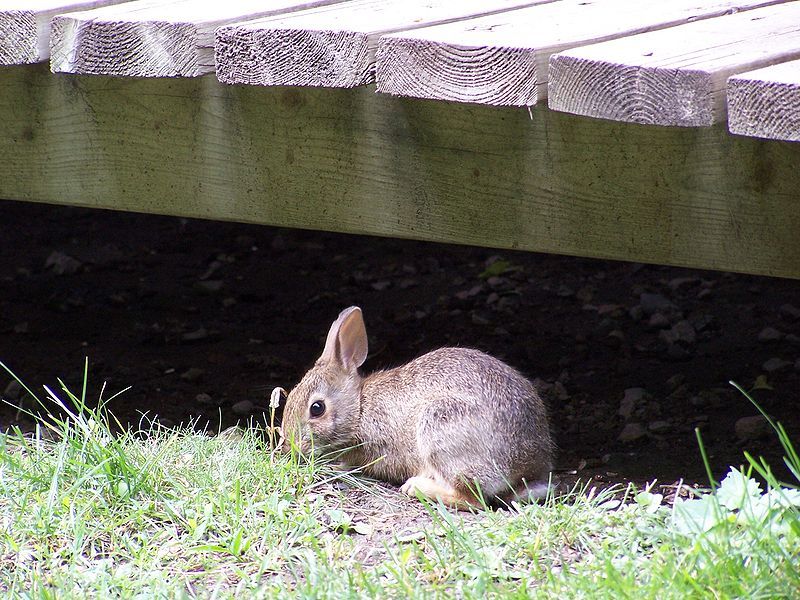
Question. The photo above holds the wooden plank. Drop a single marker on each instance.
(331, 46)
(359, 162)
(676, 76)
(153, 38)
(25, 27)
(766, 103)
(503, 59)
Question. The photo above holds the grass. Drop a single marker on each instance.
(180, 514)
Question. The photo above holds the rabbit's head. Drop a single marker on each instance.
(326, 405)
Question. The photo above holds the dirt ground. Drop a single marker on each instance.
(202, 319)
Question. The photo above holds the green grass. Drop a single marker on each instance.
(177, 513)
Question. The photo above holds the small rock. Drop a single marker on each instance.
(205, 399)
(636, 313)
(651, 303)
(492, 298)
(473, 291)
(658, 321)
(704, 293)
(680, 333)
(243, 408)
(196, 335)
(774, 365)
(381, 285)
(62, 264)
(790, 312)
(616, 337)
(21, 327)
(231, 434)
(751, 428)
(633, 398)
(632, 432)
(676, 381)
(659, 426)
(479, 320)
(797, 365)
(769, 334)
(13, 390)
(793, 339)
(678, 352)
(560, 392)
(680, 282)
(192, 374)
(565, 291)
(697, 401)
(610, 310)
(497, 282)
(208, 286)
(703, 321)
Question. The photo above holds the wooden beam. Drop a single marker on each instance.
(331, 46)
(503, 59)
(766, 103)
(153, 38)
(358, 162)
(676, 76)
(25, 27)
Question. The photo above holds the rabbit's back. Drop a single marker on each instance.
(466, 414)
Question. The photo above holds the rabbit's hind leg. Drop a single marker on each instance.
(438, 490)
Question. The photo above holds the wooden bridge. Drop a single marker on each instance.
(623, 129)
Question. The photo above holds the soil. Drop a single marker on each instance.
(202, 319)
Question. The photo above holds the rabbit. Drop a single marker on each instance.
(454, 425)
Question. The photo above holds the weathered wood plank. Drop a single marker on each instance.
(331, 46)
(766, 102)
(153, 38)
(25, 27)
(503, 59)
(676, 76)
(359, 162)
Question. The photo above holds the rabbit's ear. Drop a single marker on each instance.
(347, 339)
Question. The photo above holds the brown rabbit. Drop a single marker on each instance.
(449, 424)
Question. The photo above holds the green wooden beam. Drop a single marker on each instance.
(353, 161)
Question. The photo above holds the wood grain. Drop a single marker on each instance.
(503, 59)
(766, 103)
(152, 38)
(673, 77)
(359, 162)
(331, 46)
(25, 27)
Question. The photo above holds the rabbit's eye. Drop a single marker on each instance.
(317, 408)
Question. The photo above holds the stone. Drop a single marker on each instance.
(651, 303)
(680, 282)
(769, 334)
(62, 264)
(676, 381)
(680, 333)
(205, 399)
(13, 390)
(677, 352)
(790, 312)
(658, 321)
(631, 433)
(196, 335)
(192, 374)
(208, 286)
(243, 408)
(751, 428)
(659, 426)
(775, 364)
(631, 400)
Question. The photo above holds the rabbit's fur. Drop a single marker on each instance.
(446, 424)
